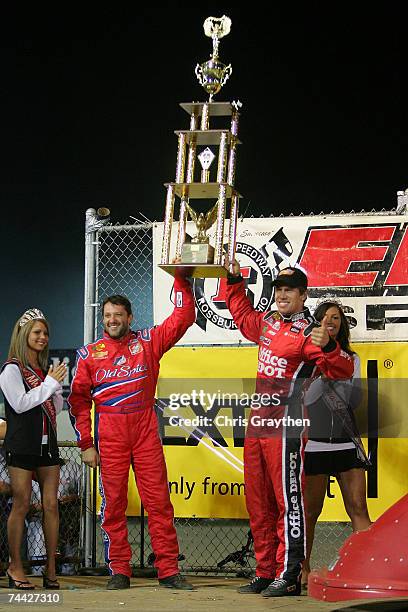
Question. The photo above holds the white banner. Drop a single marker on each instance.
(361, 259)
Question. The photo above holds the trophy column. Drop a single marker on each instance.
(198, 257)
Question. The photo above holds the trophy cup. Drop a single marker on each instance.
(197, 257)
(213, 74)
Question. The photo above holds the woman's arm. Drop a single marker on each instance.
(58, 401)
(349, 390)
(20, 400)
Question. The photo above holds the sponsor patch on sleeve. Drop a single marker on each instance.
(83, 352)
(179, 299)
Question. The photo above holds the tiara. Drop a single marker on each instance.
(31, 315)
(329, 298)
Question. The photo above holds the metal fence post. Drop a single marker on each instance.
(89, 326)
(94, 220)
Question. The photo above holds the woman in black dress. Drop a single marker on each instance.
(33, 397)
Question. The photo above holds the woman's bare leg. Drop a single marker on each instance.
(353, 489)
(21, 491)
(48, 478)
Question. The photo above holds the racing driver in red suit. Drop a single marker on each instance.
(119, 374)
(291, 348)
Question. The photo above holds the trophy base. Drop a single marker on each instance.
(195, 270)
(197, 253)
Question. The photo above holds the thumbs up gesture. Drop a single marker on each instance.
(320, 335)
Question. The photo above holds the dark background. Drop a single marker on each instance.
(89, 101)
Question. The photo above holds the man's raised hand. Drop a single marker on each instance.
(320, 335)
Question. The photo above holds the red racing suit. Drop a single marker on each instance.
(273, 454)
(120, 376)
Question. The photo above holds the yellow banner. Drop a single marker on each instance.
(205, 470)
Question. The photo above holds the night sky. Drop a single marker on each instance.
(89, 101)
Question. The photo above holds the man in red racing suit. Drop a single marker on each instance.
(291, 347)
(119, 374)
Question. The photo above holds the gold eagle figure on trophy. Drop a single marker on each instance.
(203, 222)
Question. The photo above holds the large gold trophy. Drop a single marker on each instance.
(198, 257)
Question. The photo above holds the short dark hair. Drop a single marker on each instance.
(118, 300)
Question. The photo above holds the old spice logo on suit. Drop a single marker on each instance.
(124, 371)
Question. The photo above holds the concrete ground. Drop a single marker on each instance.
(212, 594)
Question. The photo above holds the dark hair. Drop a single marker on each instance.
(118, 300)
(343, 337)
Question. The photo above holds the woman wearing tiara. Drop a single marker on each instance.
(33, 397)
(334, 446)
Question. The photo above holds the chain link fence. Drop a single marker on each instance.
(124, 264)
(70, 501)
